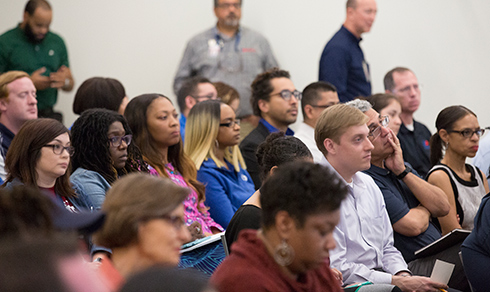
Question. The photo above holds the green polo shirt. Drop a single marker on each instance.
(18, 53)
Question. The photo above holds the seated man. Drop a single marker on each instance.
(365, 250)
(410, 202)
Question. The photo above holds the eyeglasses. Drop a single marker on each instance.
(230, 124)
(206, 97)
(286, 94)
(229, 5)
(116, 141)
(321, 106)
(406, 89)
(374, 133)
(58, 149)
(176, 221)
(468, 133)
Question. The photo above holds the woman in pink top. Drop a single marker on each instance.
(156, 130)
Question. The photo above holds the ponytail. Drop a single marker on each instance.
(435, 149)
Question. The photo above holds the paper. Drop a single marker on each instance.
(442, 272)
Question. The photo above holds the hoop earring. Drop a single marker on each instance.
(216, 143)
(284, 254)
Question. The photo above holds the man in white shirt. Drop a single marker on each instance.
(316, 97)
(364, 236)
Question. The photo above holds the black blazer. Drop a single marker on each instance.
(248, 147)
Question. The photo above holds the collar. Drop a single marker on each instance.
(378, 170)
(208, 162)
(350, 34)
(273, 129)
(219, 37)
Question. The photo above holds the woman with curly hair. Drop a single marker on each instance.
(39, 157)
(155, 125)
(103, 153)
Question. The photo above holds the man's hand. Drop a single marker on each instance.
(395, 162)
(59, 78)
(40, 82)
(417, 283)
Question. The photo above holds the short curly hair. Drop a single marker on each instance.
(262, 87)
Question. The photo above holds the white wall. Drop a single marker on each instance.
(141, 42)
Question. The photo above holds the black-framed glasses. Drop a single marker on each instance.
(176, 221)
(230, 124)
(383, 122)
(116, 141)
(321, 106)
(58, 149)
(286, 94)
(229, 5)
(468, 133)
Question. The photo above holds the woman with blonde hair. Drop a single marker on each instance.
(212, 137)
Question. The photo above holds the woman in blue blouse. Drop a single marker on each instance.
(211, 141)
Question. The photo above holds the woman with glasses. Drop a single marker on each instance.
(212, 137)
(103, 153)
(156, 129)
(144, 227)
(40, 157)
(458, 134)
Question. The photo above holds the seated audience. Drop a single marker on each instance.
(317, 96)
(276, 150)
(476, 249)
(155, 125)
(99, 92)
(228, 95)
(410, 200)
(212, 138)
(18, 104)
(387, 105)
(300, 209)
(365, 247)
(103, 152)
(144, 226)
(458, 134)
(40, 157)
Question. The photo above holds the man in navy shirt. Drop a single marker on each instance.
(414, 136)
(342, 62)
(274, 99)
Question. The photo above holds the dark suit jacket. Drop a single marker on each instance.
(248, 147)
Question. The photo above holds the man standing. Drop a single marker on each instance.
(316, 97)
(414, 136)
(342, 62)
(18, 104)
(228, 53)
(275, 100)
(364, 236)
(194, 90)
(32, 48)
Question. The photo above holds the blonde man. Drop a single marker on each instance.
(18, 104)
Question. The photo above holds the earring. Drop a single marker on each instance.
(216, 143)
(284, 254)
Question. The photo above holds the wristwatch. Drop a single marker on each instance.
(404, 173)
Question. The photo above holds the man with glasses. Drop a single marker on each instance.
(342, 62)
(229, 53)
(414, 136)
(316, 97)
(18, 104)
(191, 92)
(274, 99)
(365, 248)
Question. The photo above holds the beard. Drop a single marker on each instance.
(31, 36)
(231, 20)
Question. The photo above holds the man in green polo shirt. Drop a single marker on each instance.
(32, 48)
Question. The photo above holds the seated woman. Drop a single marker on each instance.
(39, 156)
(155, 125)
(300, 209)
(476, 249)
(228, 95)
(458, 133)
(211, 141)
(99, 92)
(387, 105)
(276, 150)
(144, 226)
(103, 153)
